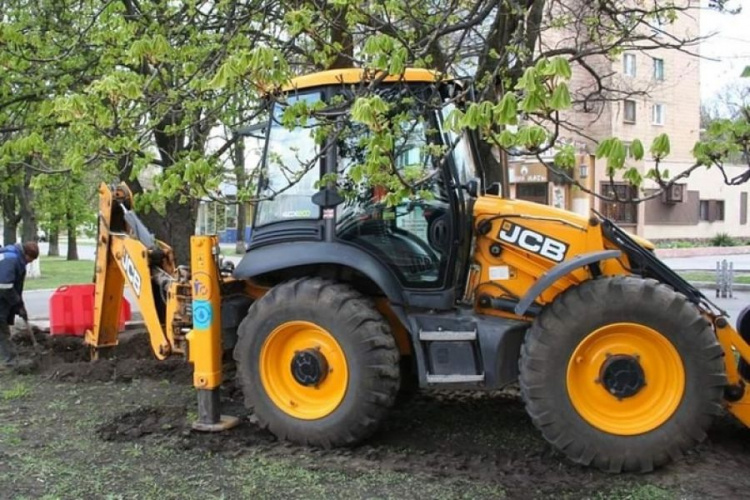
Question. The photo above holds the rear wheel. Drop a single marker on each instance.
(317, 363)
(622, 373)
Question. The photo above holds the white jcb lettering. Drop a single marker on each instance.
(533, 241)
(132, 273)
(553, 250)
(530, 241)
(512, 236)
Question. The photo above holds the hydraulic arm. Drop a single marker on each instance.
(181, 306)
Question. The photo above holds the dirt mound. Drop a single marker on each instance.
(143, 422)
(68, 359)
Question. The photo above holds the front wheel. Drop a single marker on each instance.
(317, 363)
(622, 373)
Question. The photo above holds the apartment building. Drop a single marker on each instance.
(660, 95)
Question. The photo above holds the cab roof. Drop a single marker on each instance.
(357, 75)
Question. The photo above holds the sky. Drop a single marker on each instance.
(730, 45)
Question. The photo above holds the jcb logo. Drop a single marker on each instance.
(132, 273)
(533, 242)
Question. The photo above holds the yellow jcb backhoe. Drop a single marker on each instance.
(342, 301)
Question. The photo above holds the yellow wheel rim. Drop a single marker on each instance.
(591, 374)
(282, 348)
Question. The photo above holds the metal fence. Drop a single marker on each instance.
(724, 278)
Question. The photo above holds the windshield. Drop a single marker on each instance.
(292, 168)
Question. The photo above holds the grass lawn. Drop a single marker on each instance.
(57, 271)
(710, 276)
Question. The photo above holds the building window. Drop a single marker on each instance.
(629, 64)
(657, 114)
(532, 191)
(659, 70)
(620, 210)
(703, 215)
(711, 210)
(629, 111)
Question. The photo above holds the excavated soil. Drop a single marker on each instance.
(68, 359)
(483, 437)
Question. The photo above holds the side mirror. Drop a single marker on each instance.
(472, 188)
(494, 189)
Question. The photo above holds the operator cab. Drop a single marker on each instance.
(313, 144)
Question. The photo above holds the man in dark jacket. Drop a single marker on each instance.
(13, 260)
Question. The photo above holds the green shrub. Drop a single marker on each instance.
(676, 244)
(723, 240)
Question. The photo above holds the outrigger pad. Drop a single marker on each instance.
(225, 422)
(209, 417)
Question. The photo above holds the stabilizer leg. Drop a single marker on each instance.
(204, 340)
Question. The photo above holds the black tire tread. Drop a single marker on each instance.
(374, 343)
(673, 438)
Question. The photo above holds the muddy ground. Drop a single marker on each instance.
(120, 428)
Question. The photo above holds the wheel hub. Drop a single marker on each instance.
(309, 367)
(622, 376)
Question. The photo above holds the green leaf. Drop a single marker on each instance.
(660, 146)
(528, 81)
(565, 158)
(537, 136)
(604, 148)
(636, 149)
(532, 102)
(221, 78)
(561, 68)
(506, 139)
(560, 97)
(746, 72)
(633, 176)
(506, 111)
(544, 68)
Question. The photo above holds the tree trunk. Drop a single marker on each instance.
(10, 219)
(72, 241)
(10, 229)
(341, 35)
(175, 229)
(494, 171)
(54, 243)
(241, 176)
(26, 209)
(241, 223)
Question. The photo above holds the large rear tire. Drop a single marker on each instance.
(317, 363)
(622, 373)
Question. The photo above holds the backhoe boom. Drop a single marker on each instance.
(181, 310)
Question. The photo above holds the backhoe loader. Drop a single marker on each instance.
(342, 300)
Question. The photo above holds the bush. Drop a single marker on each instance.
(723, 240)
(676, 244)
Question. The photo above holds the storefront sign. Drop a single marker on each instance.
(527, 172)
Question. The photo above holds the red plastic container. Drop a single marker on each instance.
(71, 310)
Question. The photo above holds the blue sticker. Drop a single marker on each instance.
(202, 314)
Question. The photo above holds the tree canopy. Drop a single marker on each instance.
(136, 89)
